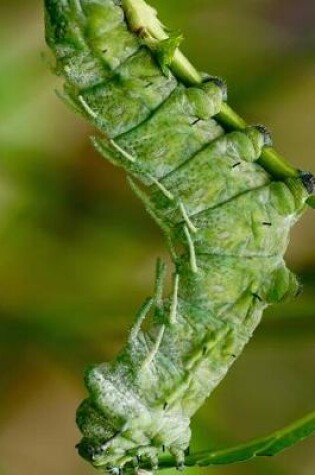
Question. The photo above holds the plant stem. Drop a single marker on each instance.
(267, 446)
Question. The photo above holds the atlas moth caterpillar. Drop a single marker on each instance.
(223, 197)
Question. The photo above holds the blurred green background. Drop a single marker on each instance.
(77, 250)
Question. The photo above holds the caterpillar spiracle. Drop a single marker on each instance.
(223, 197)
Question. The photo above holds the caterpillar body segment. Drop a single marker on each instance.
(253, 224)
(127, 99)
(185, 121)
(90, 39)
(227, 163)
(226, 218)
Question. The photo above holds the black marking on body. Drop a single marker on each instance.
(308, 181)
(196, 121)
(266, 134)
(220, 83)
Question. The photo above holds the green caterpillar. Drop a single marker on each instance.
(223, 197)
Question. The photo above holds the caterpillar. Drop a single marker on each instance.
(224, 198)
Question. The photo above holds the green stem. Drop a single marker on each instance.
(270, 159)
(184, 70)
(265, 447)
(311, 201)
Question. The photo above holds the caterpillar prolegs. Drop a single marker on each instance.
(223, 197)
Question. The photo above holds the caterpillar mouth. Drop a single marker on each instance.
(90, 451)
(87, 450)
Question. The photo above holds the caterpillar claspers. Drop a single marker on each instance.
(224, 198)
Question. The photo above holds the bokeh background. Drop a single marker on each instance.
(77, 250)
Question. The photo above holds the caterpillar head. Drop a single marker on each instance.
(102, 443)
(98, 432)
(105, 445)
(115, 425)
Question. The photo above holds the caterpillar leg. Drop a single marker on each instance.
(282, 285)
(179, 449)
(150, 454)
